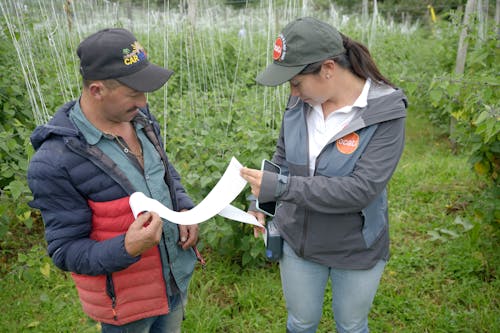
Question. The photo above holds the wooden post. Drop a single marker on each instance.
(497, 21)
(482, 21)
(374, 25)
(462, 43)
(192, 6)
(460, 62)
(69, 13)
(364, 19)
(130, 14)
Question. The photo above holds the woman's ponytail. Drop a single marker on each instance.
(358, 59)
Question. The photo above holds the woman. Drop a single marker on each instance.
(341, 138)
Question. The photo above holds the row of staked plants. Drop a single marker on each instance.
(203, 135)
(469, 100)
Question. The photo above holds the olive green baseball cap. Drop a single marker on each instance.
(302, 42)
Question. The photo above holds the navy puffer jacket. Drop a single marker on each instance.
(64, 173)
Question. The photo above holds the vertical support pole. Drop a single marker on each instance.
(460, 61)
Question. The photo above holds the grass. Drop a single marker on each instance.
(442, 276)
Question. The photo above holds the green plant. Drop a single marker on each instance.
(15, 126)
(443, 272)
(471, 99)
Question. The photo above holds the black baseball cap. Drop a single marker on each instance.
(116, 54)
(302, 42)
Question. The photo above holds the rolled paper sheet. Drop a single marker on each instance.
(216, 202)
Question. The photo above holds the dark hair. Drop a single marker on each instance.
(356, 58)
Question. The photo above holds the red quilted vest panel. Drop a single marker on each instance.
(140, 290)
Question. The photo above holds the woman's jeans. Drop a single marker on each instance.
(304, 284)
(169, 323)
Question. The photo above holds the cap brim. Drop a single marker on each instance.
(148, 79)
(274, 74)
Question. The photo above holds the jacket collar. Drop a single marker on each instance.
(62, 125)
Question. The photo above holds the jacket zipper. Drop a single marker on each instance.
(110, 291)
(306, 220)
(304, 234)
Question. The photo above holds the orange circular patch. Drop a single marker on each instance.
(348, 144)
(278, 48)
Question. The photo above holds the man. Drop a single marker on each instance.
(131, 275)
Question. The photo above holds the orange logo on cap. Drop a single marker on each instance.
(278, 48)
(348, 144)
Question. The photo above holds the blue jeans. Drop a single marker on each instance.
(304, 284)
(169, 323)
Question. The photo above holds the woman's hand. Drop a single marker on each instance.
(254, 178)
(257, 231)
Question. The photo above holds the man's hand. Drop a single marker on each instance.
(143, 233)
(188, 235)
(254, 178)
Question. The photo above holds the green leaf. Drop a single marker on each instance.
(16, 188)
(452, 89)
(435, 236)
(435, 97)
(464, 223)
(33, 324)
(482, 117)
(449, 233)
(44, 298)
(45, 270)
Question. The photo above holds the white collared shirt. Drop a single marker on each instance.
(321, 130)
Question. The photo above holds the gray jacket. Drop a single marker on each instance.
(339, 217)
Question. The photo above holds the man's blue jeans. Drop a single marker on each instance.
(304, 284)
(169, 323)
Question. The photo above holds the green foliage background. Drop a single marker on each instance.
(214, 117)
(211, 118)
